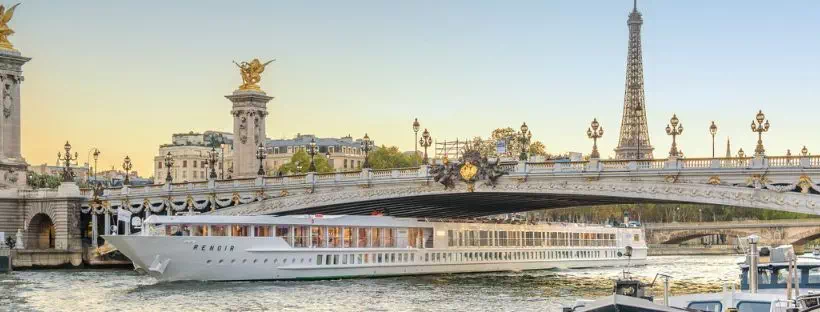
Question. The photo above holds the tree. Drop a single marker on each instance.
(36, 180)
(391, 157)
(300, 163)
(538, 148)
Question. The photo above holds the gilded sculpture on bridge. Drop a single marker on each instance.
(472, 168)
(251, 74)
(5, 31)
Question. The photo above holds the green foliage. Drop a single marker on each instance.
(486, 147)
(36, 180)
(391, 157)
(300, 163)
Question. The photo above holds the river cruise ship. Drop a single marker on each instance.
(223, 248)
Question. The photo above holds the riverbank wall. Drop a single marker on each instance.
(692, 250)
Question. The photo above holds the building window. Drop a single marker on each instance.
(184, 164)
(184, 174)
(194, 163)
(202, 174)
(159, 165)
(345, 163)
(194, 175)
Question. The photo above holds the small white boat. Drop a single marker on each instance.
(222, 248)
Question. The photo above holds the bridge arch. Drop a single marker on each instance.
(681, 236)
(41, 232)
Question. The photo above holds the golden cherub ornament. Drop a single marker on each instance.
(251, 74)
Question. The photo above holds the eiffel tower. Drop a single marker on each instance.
(634, 139)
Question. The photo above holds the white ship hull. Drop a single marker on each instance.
(227, 258)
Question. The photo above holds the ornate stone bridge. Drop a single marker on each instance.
(778, 183)
(775, 232)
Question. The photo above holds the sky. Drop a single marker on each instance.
(122, 76)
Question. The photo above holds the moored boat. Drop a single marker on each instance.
(318, 247)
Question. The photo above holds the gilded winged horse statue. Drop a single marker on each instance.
(5, 31)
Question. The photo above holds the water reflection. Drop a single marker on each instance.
(107, 290)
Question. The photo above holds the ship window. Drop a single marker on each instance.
(483, 238)
(199, 230)
(347, 237)
(333, 235)
(359, 259)
(427, 257)
(751, 306)
(282, 231)
(262, 231)
(376, 239)
(318, 234)
(363, 238)
(450, 239)
(239, 230)
(335, 259)
(393, 258)
(208, 262)
(344, 259)
(218, 230)
(389, 238)
(220, 260)
(412, 257)
(300, 236)
(814, 275)
(379, 258)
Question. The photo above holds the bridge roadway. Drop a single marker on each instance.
(783, 183)
(771, 232)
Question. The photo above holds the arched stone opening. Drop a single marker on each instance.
(42, 233)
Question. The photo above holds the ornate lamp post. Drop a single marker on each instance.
(260, 154)
(595, 132)
(416, 126)
(425, 142)
(366, 145)
(96, 153)
(312, 152)
(713, 131)
(675, 130)
(212, 162)
(127, 165)
(804, 151)
(741, 153)
(760, 128)
(524, 138)
(68, 174)
(169, 163)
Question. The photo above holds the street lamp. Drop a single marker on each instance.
(675, 130)
(260, 154)
(212, 162)
(366, 144)
(126, 165)
(760, 128)
(416, 126)
(169, 162)
(312, 167)
(524, 138)
(804, 151)
(741, 153)
(425, 142)
(713, 131)
(96, 153)
(595, 132)
(68, 175)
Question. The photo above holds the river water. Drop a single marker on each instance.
(547, 290)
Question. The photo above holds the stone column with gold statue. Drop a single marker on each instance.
(249, 112)
(12, 164)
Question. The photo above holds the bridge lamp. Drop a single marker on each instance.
(674, 130)
(126, 165)
(760, 127)
(425, 141)
(169, 162)
(366, 145)
(594, 132)
(68, 174)
(804, 151)
(312, 167)
(525, 137)
(260, 154)
(212, 162)
(740, 153)
(713, 131)
(416, 127)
